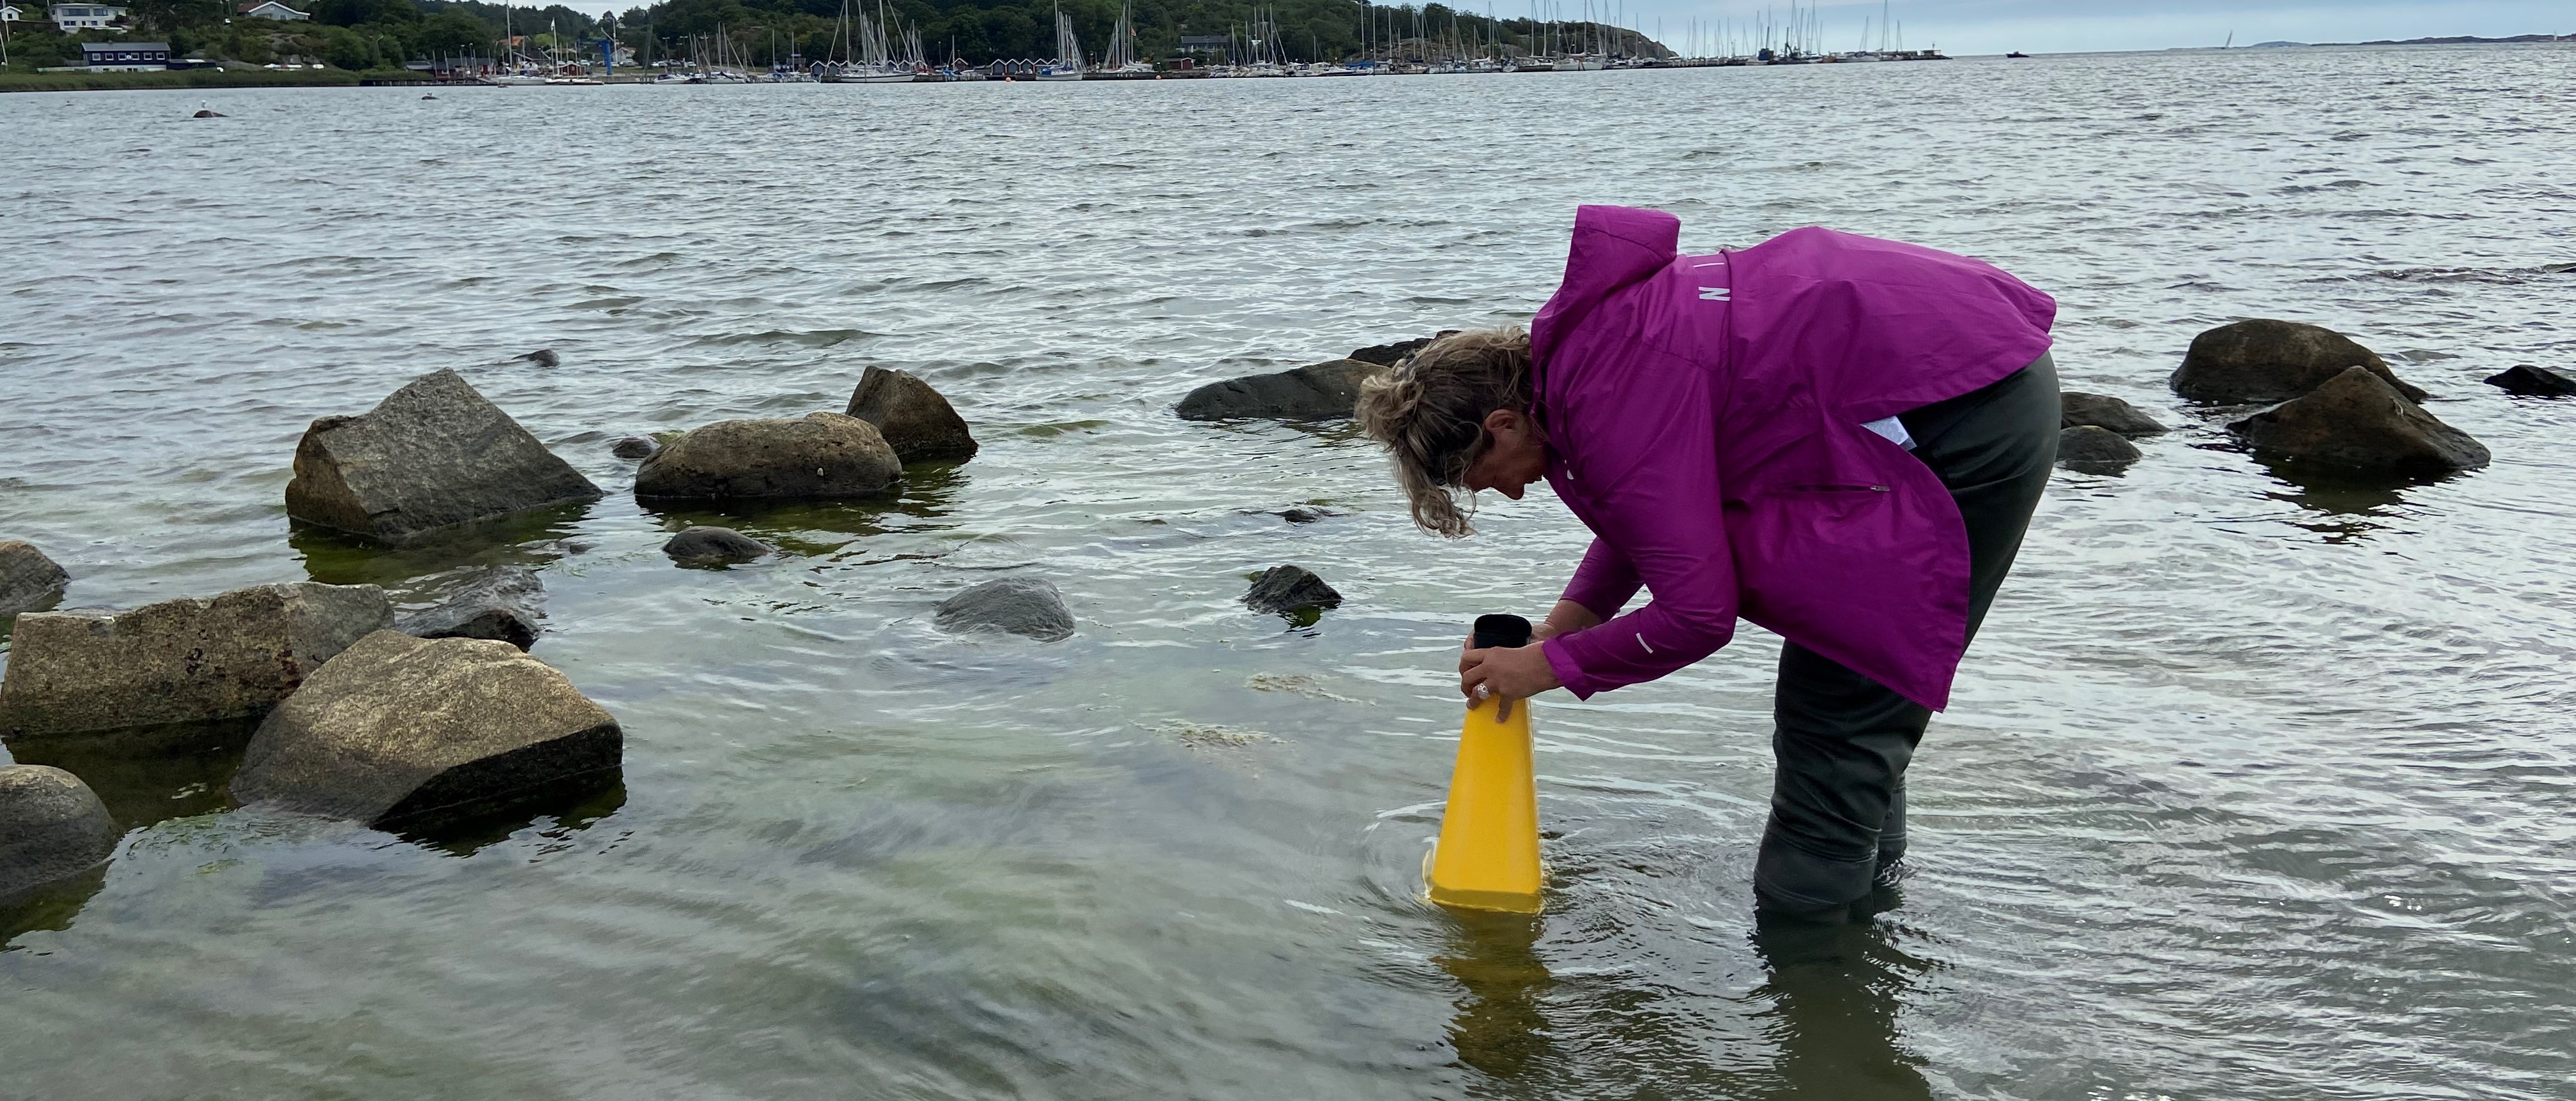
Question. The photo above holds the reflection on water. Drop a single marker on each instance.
(564, 813)
(1835, 991)
(532, 538)
(823, 528)
(1499, 1028)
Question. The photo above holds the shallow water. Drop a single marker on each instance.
(2250, 789)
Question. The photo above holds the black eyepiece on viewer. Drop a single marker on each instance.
(1501, 630)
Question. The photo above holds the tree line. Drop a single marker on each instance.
(384, 34)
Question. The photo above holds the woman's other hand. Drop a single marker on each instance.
(1508, 673)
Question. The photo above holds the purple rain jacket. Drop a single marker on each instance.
(1705, 416)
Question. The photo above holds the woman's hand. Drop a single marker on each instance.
(1510, 673)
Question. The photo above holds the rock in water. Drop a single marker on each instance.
(2534, 382)
(1388, 355)
(822, 455)
(914, 419)
(2094, 449)
(1322, 391)
(2358, 423)
(1288, 590)
(2105, 411)
(636, 448)
(543, 357)
(51, 826)
(703, 547)
(433, 455)
(506, 604)
(1020, 605)
(2264, 360)
(29, 581)
(403, 731)
(206, 114)
(179, 661)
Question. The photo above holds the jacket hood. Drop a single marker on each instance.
(1614, 246)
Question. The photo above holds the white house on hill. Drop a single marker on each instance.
(270, 9)
(84, 17)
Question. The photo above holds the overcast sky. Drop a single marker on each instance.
(2046, 26)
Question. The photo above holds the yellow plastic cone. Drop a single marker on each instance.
(1487, 857)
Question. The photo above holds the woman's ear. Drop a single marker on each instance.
(1502, 421)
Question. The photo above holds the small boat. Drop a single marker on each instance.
(2016, 53)
(1068, 51)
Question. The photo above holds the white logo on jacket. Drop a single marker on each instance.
(1714, 294)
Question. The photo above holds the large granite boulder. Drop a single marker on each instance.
(29, 581)
(2359, 424)
(504, 603)
(1019, 605)
(2262, 360)
(2526, 380)
(2104, 411)
(52, 826)
(1322, 391)
(705, 548)
(914, 419)
(1388, 355)
(411, 732)
(433, 455)
(820, 455)
(180, 661)
(1289, 590)
(2094, 449)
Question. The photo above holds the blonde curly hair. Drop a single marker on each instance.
(1429, 414)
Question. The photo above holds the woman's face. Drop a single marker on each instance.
(1517, 458)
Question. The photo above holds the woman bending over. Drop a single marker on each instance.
(1838, 438)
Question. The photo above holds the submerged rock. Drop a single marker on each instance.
(402, 731)
(1304, 515)
(52, 827)
(2094, 449)
(1288, 590)
(543, 357)
(819, 455)
(2534, 382)
(1019, 605)
(703, 547)
(634, 448)
(914, 419)
(203, 113)
(505, 603)
(1388, 355)
(180, 661)
(2262, 360)
(29, 581)
(2359, 424)
(1321, 391)
(433, 455)
(2105, 411)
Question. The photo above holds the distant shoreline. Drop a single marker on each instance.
(336, 78)
(2456, 40)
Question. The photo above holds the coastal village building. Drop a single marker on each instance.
(9, 14)
(126, 57)
(270, 9)
(86, 17)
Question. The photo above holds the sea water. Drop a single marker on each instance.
(2251, 789)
